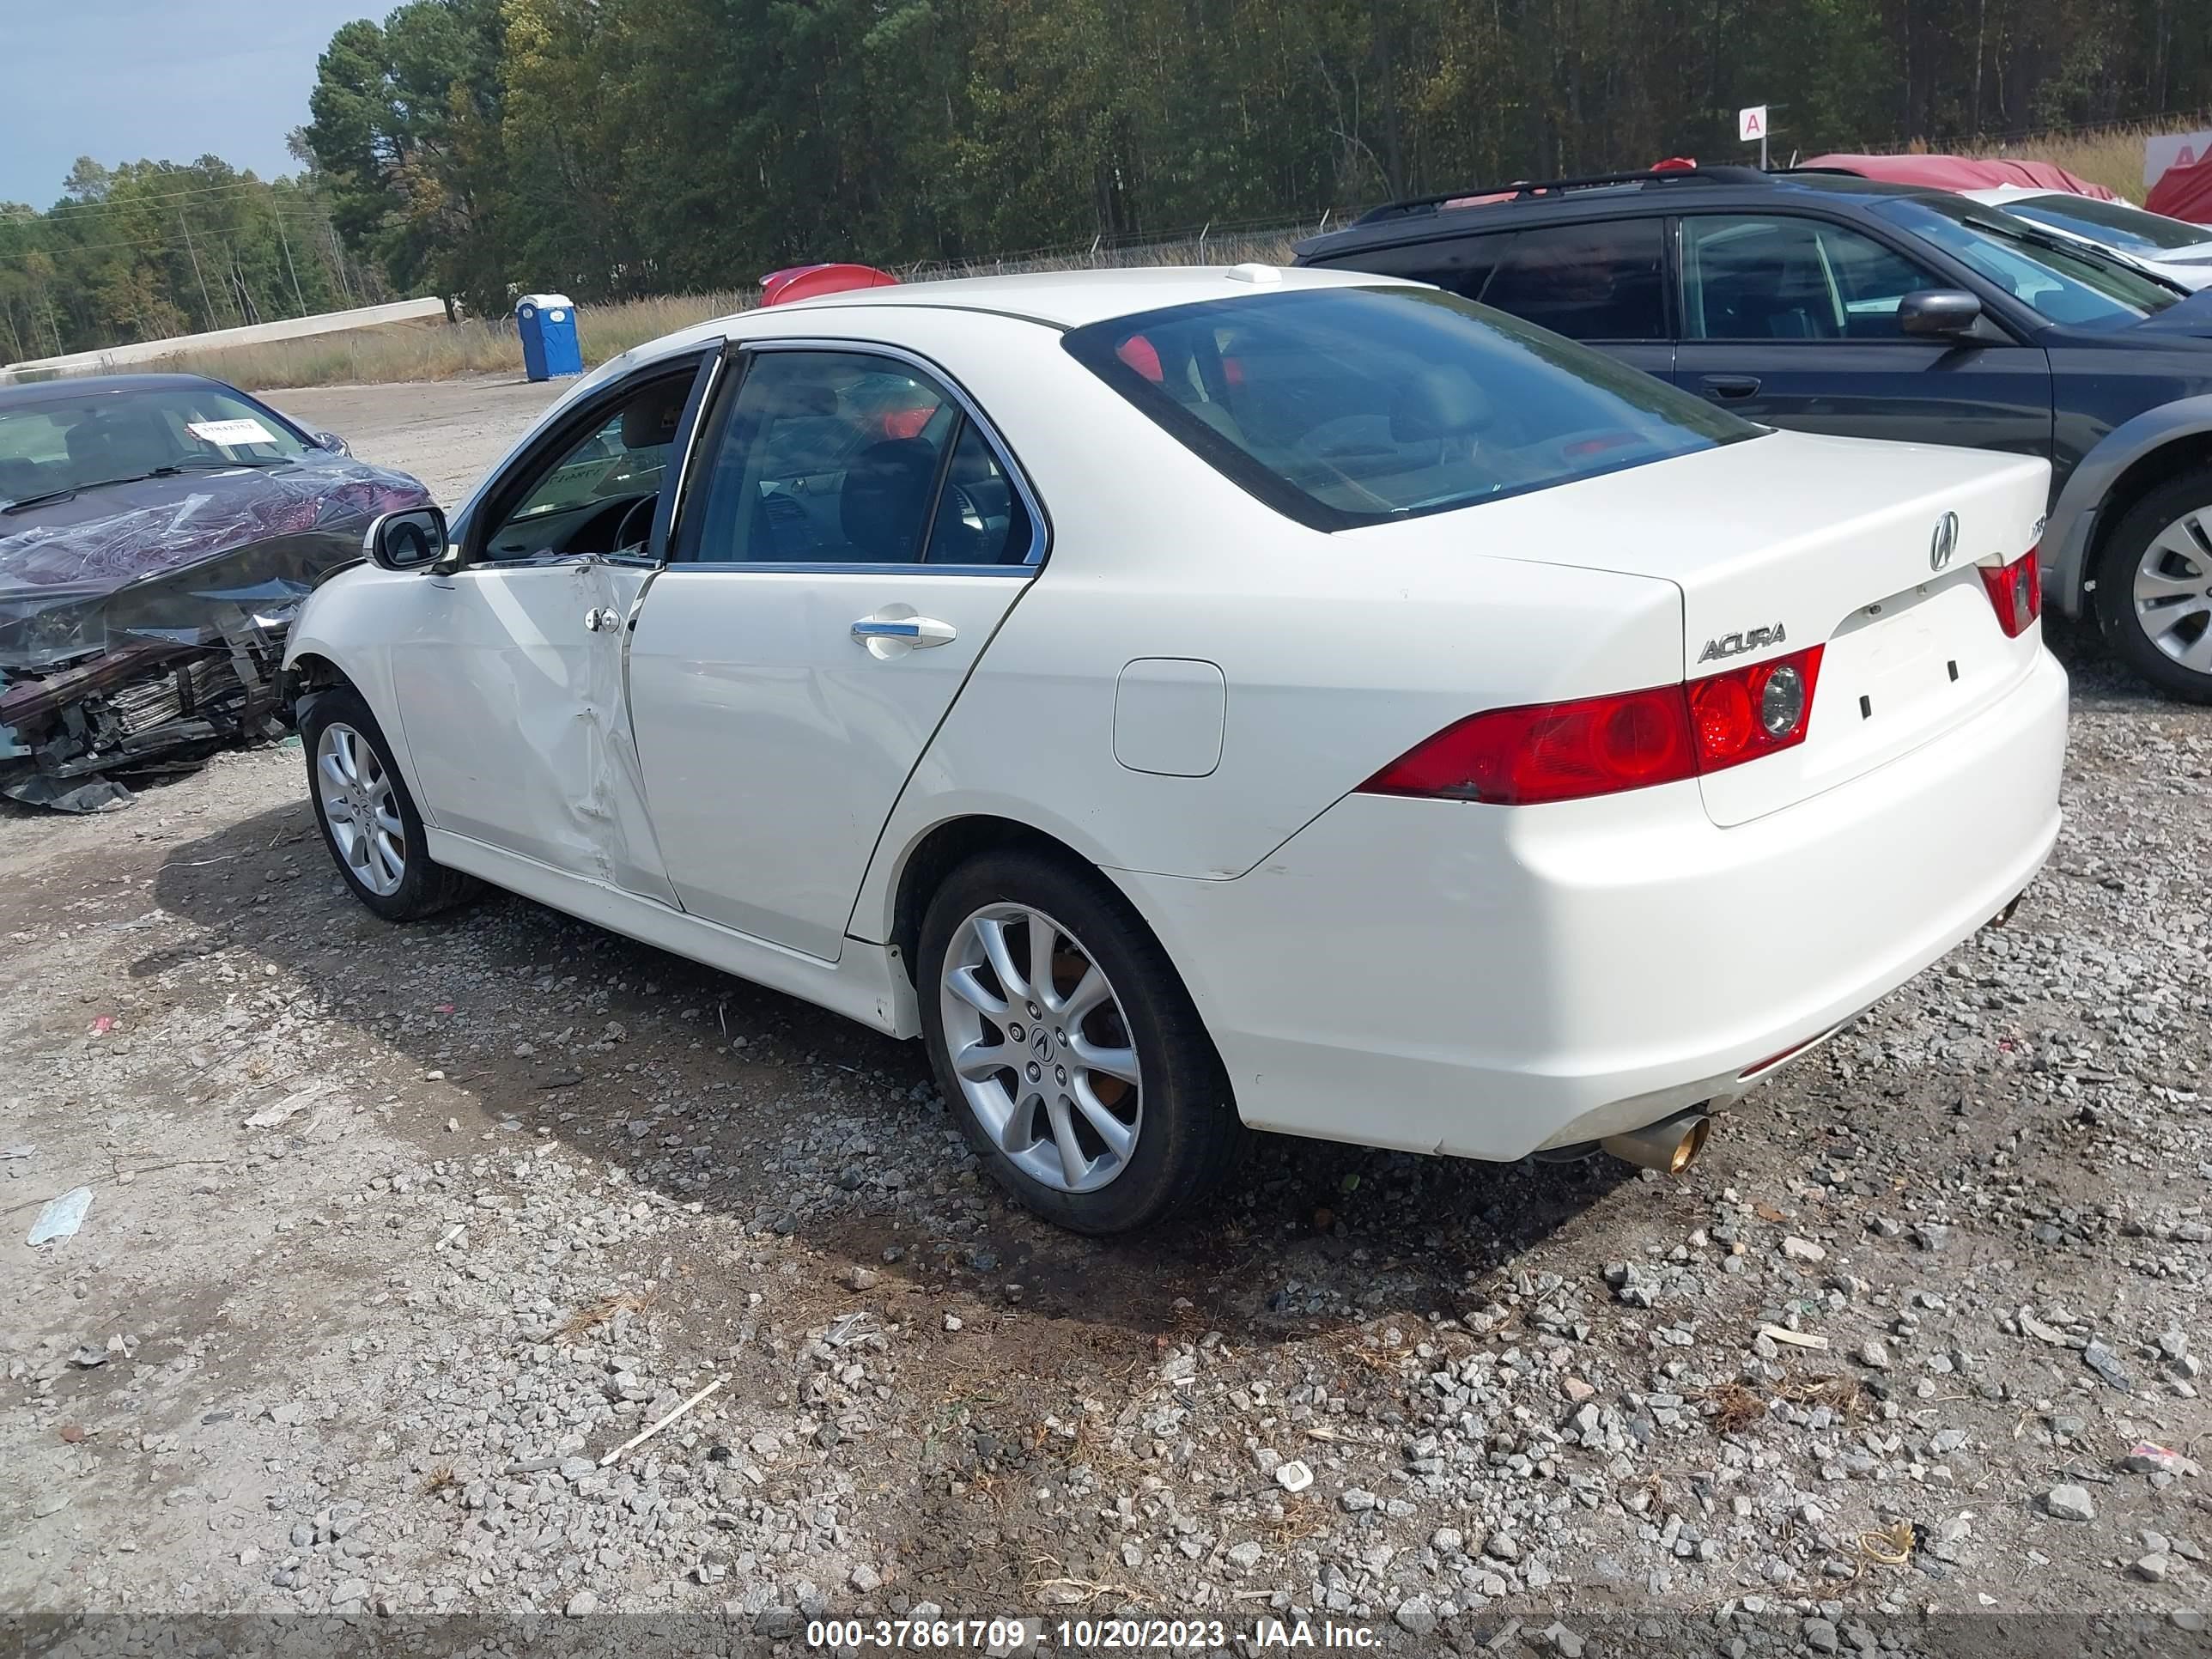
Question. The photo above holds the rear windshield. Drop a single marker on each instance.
(1349, 406)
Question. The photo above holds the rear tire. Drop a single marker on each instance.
(1077, 1066)
(2153, 598)
(367, 815)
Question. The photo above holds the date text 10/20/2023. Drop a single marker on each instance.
(1007, 1637)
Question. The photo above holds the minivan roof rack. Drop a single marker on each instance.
(1523, 189)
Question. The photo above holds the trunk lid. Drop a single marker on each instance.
(1790, 540)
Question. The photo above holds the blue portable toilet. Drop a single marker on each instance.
(547, 323)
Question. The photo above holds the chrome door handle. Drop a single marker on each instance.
(916, 631)
(600, 618)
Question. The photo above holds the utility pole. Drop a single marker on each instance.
(288, 265)
(337, 260)
(207, 306)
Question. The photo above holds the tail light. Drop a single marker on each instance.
(2017, 591)
(1602, 745)
(1749, 712)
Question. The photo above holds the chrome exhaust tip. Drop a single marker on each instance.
(1669, 1146)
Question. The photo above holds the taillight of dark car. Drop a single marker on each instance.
(1602, 745)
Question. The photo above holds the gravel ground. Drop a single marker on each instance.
(398, 1233)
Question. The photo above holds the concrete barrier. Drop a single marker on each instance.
(400, 313)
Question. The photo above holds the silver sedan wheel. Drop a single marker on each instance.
(1041, 1049)
(2173, 590)
(355, 792)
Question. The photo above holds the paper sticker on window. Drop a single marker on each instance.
(230, 435)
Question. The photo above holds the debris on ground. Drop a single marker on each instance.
(61, 1217)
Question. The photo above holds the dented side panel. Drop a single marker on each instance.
(510, 692)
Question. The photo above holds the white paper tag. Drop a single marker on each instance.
(230, 435)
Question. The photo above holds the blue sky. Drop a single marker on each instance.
(156, 80)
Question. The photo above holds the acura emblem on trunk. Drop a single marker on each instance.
(1944, 542)
(1735, 645)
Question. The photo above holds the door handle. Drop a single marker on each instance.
(1732, 386)
(600, 618)
(914, 631)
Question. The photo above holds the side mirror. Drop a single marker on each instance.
(407, 541)
(330, 442)
(1943, 313)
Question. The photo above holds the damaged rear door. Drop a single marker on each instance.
(512, 693)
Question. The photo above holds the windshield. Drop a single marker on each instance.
(2113, 223)
(51, 444)
(1347, 406)
(2063, 284)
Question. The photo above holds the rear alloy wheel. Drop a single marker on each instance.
(368, 819)
(1068, 1047)
(1041, 1048)
(2154, 598)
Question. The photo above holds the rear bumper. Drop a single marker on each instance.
(1486, 982)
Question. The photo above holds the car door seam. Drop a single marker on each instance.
(898, 799)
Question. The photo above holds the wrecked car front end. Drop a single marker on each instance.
(142, 626)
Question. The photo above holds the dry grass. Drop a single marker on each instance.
(2110, 157)
(481, 346)
(1736, 1408)
(473, 346)
(594, 1314)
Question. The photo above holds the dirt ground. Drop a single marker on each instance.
(447, 432)
(398, 1232)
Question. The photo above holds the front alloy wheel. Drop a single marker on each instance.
(367, 818)
(1041, 1047)
(355, 792)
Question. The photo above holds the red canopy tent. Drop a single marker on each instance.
(2184, 194)
(1962, 173)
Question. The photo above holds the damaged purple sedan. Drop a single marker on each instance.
(157, 533)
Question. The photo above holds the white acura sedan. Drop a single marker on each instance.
(1190, 699)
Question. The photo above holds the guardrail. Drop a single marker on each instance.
(398, 314)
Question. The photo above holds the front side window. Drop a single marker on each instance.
(2075, 286)
(851, 458)
(1748, 276)
(1347, 406)
(597, 492)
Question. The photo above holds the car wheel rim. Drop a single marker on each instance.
(1040, 1048)
(354, 789)
(2173, 590)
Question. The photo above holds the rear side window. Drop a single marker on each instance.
(1458, 265)
(1349, 406)
(846, 458)
(1601, 282)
